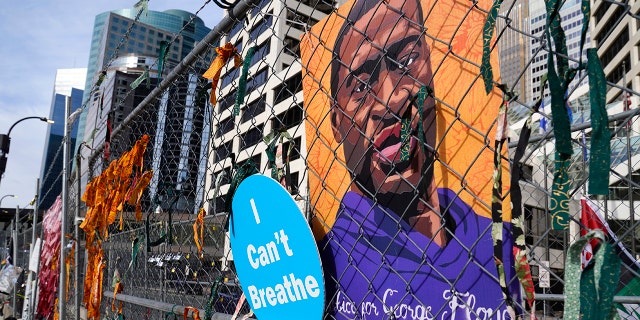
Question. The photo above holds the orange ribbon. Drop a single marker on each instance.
(69, 260)
(105, 197)
(213, 73)
(118, 289)
(195, 314)
(198, 231)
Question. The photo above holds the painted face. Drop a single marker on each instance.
(385, 62)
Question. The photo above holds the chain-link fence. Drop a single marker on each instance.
(337, 147)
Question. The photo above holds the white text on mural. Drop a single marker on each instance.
(292, 288)
(268, 253)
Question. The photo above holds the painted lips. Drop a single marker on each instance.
(388, 144)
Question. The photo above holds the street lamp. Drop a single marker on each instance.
(5, 142)
(8, 195)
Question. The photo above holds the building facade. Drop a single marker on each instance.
(68, 83)
(616, 38)
(145, 37)
(514, 46)
(178, 123)
(273, 102)
(572, 18)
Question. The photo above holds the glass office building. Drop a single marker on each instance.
(145, 37)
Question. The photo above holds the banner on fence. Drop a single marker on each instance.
(275, 256)
(592, 219)
(399, 164)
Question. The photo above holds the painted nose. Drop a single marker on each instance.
(395, 90)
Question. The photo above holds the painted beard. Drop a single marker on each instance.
(404, 204)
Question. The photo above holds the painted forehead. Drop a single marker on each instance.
(369, 26)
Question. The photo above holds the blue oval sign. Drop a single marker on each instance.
(274, 251)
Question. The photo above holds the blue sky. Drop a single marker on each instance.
(39, 37)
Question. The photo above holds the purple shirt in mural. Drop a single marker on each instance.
(376, 265)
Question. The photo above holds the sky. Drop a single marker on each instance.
(39, 37)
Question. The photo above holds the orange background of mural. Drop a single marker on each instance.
(465, 113)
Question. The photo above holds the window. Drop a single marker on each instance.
(609, 25)
(292, 46)
(257, 80)
(261, 27)
(235, 29)
(293, 187)
(261, 53)
(251, 137)
(320, 5)
(227, 101)
(224, 127)
(223, 151)
(238, 45)
(255, 159)
(298, 20)
(618, 72)
(615, 47)
(602, 9)
(253, 109)
(290, 87)
(219, 205)
(259, 7)
(229, 77)
(295, 150)
(288, 119)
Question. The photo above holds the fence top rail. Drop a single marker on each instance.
(161, 306)
(561, 297)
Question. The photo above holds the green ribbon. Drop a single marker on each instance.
(487, 34)
(212, 297)
(142, 5)
(135, 247)
(558, 82)
(103, 74)
(244, 171)
(405, 129)
(405, 134)
(589, 293)
(272, 140)
(164, 50)
(559, 205)
(142, 77)
(242, 85)
(600, 149)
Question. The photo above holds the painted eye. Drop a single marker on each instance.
(361, 86)
(407, 60)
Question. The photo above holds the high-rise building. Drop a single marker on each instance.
(273, 101)
(177, 127)
(615, 35)
(68, 83)
(513, 47)
(178, 123)
(572, 19)
(145, 37)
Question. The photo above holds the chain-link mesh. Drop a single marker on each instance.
(195, 150)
